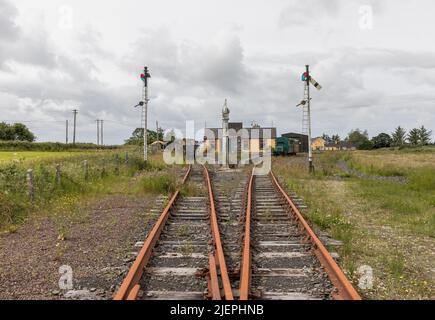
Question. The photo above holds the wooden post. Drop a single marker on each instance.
(86, 167)
(58, 174)
(30, 185)
(117, 164)
(126, 157)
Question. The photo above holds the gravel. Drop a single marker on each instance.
(94, 248)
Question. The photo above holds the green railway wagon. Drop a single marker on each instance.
(285, 146)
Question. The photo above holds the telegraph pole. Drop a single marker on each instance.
(75, 111)
(144, 78)
(101, 137)
(98, 132)
(66, 132)
(310, 151)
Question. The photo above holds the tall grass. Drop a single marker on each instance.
(15, 204)
(159, 183)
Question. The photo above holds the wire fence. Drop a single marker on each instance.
(24, 184)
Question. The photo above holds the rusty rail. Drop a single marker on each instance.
(218, 259)
(130, 287)
(245, 271)
(345, 290)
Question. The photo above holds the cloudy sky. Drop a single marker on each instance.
(374, 59)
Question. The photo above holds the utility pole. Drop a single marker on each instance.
(75, 111)
(98, 132)
(310, 151)
(157, 130)
(102, 130)
(66, 132)
(144, 78)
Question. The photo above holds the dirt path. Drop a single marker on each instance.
(96, 247)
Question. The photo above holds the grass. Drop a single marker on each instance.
(107, 169)
(387, 225)
(159, 183)
(22, 156)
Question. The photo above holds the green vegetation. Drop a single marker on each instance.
(159, 183)
(34, 156)
(49, 146)
(398, 138)
(15, 132)
(105, 168)
(137, 136)
(386, 224)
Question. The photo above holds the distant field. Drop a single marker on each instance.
(7, 156)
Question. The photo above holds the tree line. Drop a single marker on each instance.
(398, 138)
(15, 132)
(137, 136)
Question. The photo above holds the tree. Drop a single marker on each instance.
(366, 145)
(382, 140)
(414, 137)
(424, 136)
(137, 137)
(398, 137)
(22, 133)
(327, 138)
(17, 131)
(359, 138)
(336, 139)
(6, 133)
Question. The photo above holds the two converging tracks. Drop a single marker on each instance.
(191, 254)
(182, 257)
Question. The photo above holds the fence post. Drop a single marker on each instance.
(117, 164)
(58, 174)
(103, 169)
(86, 166)
(30, 185)
(126, 157)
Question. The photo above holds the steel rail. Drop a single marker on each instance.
(215, 291)
(245, 271)
(219, 259)
(130, 287)
(345, 290)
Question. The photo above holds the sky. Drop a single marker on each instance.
(375, 60)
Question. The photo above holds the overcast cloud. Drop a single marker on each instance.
(57, 56)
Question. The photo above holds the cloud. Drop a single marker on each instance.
(8, 28)
(30, 47)
(323, 14)
(217, 65)
(299, 13)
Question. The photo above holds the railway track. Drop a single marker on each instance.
(238, 236)
(182, 257)
(282, 258)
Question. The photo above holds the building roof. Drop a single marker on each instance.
(295, 135)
